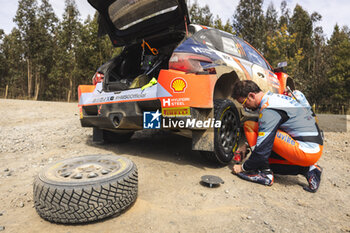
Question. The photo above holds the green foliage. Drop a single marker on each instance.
(248, 19)
(271, 20)
(301, 24)
(201, 15)
(92, 51)
(227, 27)
(47, 23)
(3, 67)
(279, 48)
(68, 42)
(285, 15)
(14, 66)
(270, 27)
(46, 58)
(26, 19)
(339, 65)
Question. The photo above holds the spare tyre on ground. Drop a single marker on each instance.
(85, 189)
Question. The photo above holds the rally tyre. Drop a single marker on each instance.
(227, 136)
(85, 189)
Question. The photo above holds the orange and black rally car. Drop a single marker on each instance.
(171, 75)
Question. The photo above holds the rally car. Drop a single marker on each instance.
(171, 75)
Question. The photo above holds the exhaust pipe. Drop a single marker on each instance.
(116, 119)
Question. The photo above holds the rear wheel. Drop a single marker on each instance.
(227, 136)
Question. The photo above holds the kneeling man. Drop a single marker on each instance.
(285, 140)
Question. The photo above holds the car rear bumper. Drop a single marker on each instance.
(124, 115)
(124, 109)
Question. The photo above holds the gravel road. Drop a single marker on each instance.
(170, 199)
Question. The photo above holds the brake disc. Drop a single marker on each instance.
(211, 181)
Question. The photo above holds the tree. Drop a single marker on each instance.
(26, 20)
(339, 65)
(92, 50)
(15, 64)
(47, 22)
(302, 25)
(2, 60)
(318, 73)
(271, 20)
(279, 48)
(227, 27)
(65, 69)
(201, 15)
(247, 18)
(285, 15)
(270, 25)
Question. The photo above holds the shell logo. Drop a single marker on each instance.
(178, 85)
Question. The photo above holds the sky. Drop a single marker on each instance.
(332, 11)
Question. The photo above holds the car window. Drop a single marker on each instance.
(218, 40)
(126, 13)
(230, 46)
(252, 55)
(209, 38)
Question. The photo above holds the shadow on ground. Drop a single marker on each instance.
(159, 145)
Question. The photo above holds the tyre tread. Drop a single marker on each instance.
(209, 155)
(60, 204)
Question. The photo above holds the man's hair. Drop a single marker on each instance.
(243, 88)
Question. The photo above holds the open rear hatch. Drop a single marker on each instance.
(128, 22)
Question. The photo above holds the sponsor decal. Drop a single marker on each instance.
(261, 134)
(173, 112)
(151, 120)
(175, 102)
(202, 50)
(118, 97)
(286, 138)
(274, 81)
(178, 85)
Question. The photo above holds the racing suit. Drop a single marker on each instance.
(286, 137)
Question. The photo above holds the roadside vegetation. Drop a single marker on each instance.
(46, 58)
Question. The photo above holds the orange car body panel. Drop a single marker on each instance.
(187, 90)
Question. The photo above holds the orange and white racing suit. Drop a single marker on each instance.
(286, 137)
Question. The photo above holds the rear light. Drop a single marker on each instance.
(191, 63)
(98, 77)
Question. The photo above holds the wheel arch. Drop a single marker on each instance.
(227, 77)
(224, 85)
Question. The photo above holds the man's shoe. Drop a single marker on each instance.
(313, 177)
(264, 177)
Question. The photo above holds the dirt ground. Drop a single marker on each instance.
(170, 198)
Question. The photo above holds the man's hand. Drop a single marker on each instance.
(237, 168)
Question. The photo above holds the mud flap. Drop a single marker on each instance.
(203, 140)
(97, 135)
